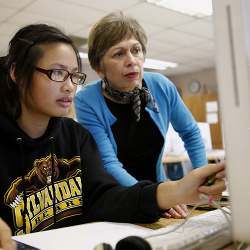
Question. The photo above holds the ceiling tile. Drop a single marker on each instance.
(107, 5)
(207, 46)
(208, 18)
(198, 27)
(14, 4)
(4, 41)
(179, 59)
(162, 47)
(152, 54)
(6, 13)
(25, 18)
(151, 29)
(65, 11)
(8, 29)
(190, 53)
(82, 32)
(205, 62)
(158, 16)
(178, 37)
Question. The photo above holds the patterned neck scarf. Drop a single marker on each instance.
(135, 97)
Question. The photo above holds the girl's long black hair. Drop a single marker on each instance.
(24, 53)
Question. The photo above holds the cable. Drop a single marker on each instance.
(242, 246)
(141, 243)
(203, 197)
(215, 204)
(178, 226)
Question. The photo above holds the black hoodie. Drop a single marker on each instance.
(58, 180)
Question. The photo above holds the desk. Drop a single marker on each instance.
(163, 222)
(213, 155)
(176, 166)
(87, 236)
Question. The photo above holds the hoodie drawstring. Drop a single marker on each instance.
(52, 151)
(24, 212)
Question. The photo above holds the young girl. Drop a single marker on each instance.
(51, 174)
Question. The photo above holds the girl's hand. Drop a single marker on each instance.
(6, 243)
(176, 212)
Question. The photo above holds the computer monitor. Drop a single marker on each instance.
(232, 36)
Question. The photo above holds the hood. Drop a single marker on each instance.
(10, 131)
(11, 135)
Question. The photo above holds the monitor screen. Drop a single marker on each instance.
(232, 36)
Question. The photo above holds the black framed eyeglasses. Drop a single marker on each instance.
(60, 75)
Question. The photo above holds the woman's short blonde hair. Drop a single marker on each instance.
(110, 30)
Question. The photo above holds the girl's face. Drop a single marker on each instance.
(122, 65)
(48, 98)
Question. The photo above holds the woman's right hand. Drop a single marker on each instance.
(188, 190)
(193, 185)
(6, 243)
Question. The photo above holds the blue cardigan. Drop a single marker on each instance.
(92, 112)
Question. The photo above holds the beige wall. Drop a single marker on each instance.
(206, 77)
(197, 102)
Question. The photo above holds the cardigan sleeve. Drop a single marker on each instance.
(174, 111)
(184, 123)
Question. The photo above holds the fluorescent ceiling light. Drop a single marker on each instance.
(198, 8)
(157, 64)
(83, 55)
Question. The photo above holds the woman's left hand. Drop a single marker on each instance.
(176, 212)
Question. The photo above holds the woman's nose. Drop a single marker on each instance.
(68, 85)
(130, 59)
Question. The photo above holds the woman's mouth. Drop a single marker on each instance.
(64, 102)
(132, 75)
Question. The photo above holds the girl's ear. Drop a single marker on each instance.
(13, 72)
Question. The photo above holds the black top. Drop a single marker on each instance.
(138, 143)
(83, 190)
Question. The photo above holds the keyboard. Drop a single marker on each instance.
(208, 231)
(23, 246)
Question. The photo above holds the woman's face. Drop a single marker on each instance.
(122, 65)
(48, 98)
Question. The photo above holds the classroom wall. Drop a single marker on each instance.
(206, 77)
(196, 102)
